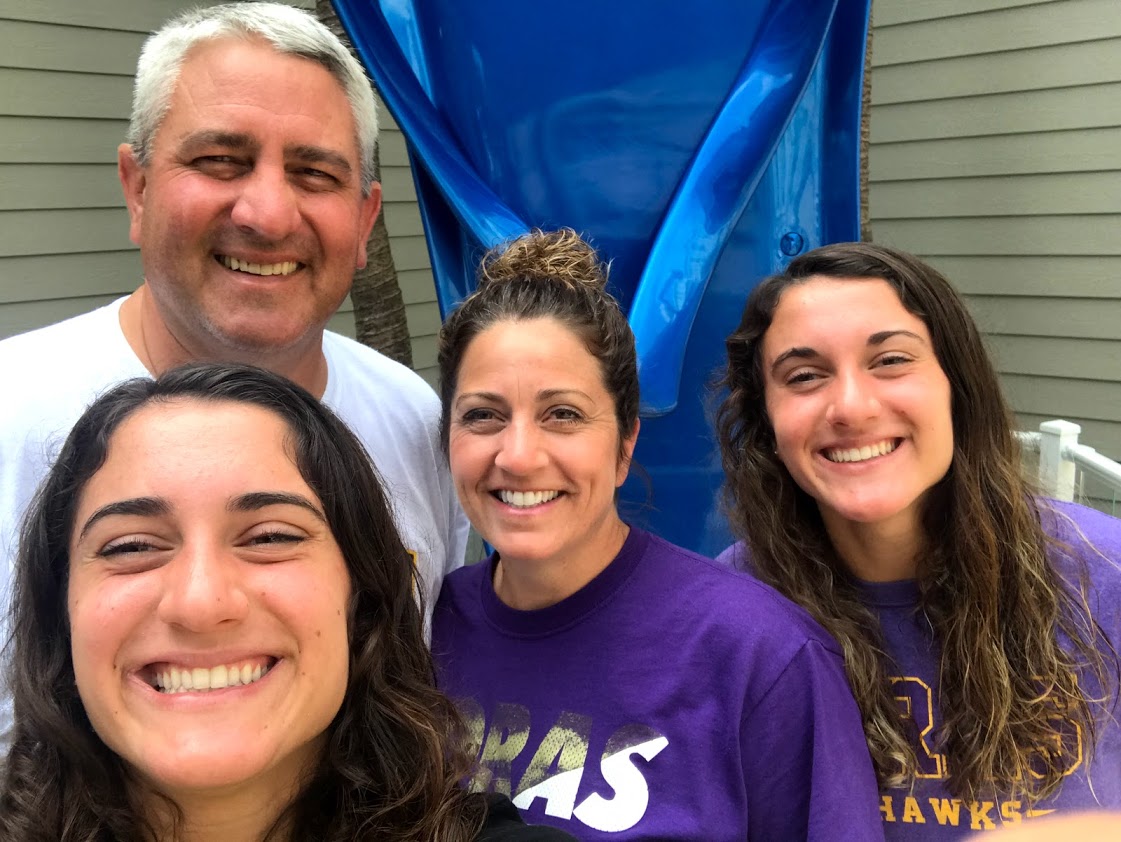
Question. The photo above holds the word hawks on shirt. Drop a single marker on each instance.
(669, 698)
(1093, 781)
(929, 804)
(556, 768)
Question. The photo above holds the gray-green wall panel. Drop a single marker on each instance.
(1076, 150)
(890, 14)
(1017, 28)
(60, 140)
(1019, 195)
(81, 49)
(43, 186)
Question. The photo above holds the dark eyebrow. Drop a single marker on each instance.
(216, 137)
(550, 394)
(140, 506)
(260, 499)
(482, 396)
(793, 353)
(884, 335)
(319, 155)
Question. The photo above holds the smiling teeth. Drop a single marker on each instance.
(286, 268)
(525, 499)
(201, 679)
(860, 454)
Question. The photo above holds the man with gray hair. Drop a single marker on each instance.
(248, 175)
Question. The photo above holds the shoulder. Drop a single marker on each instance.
(357, 366)
(1081, 526)
(58, 369)
(503, 824)
(737, 601)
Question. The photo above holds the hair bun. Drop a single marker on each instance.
(561, 256)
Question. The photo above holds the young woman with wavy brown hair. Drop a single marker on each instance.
(215, 635)
(873, 474)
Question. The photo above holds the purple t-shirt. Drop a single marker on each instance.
(670, 698)
(929, 811)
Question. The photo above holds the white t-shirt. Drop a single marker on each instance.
(49, 376)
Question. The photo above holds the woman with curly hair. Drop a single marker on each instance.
(215, 634)
(874, 476)
(614, 683)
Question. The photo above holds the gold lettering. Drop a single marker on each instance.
(887, 809)
(946, 810)
(916, 703)
(1010, 812)
(508, 734)
(979, 815)
(911, 812)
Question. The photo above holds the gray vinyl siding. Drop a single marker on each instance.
(65, 91)
(996, 154)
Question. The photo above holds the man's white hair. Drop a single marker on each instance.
(290, 31)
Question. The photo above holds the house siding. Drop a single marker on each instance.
(996, 154)
(66, 73)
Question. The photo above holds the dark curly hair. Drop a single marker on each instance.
(986, 574)
(393, 758)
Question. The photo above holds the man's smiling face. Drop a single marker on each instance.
(250, 214)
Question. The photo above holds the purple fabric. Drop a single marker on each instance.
(670, 698)
(930, 812)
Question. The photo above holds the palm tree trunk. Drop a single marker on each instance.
(379, 310)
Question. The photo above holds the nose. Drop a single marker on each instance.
(852, 400)
(520, 449)
(267, 206)
(202, 590)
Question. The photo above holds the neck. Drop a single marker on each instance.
(531, 585)
(160, 346)
(240, 816)
(876, 552)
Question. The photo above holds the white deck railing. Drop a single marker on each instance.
(1062, 459)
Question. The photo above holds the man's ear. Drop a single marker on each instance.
(628, 452)
(367, 215)
(133, 181)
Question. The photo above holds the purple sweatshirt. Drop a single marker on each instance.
(929, 811)
(670, 698)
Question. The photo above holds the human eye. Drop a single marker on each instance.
(275, 536)
(220, 165)
(479, 417)
(801, 376)
(126, 546)
(893, 360)
(565, 415)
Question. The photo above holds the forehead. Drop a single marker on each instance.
(829, 311)
(545, 353)
(234, 83)
(181, 446)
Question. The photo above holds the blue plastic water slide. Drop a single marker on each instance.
(698, 145)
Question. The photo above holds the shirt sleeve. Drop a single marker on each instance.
(808, 774)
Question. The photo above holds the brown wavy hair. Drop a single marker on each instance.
(546, 275)
(987, 578)
(393, 758)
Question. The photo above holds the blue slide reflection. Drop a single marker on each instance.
(699, 146)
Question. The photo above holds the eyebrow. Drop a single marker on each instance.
(255, 500)
(217, 137)
(550, 394)
(805, 353)
(140, 506)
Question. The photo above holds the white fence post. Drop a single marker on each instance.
(1056, 475)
